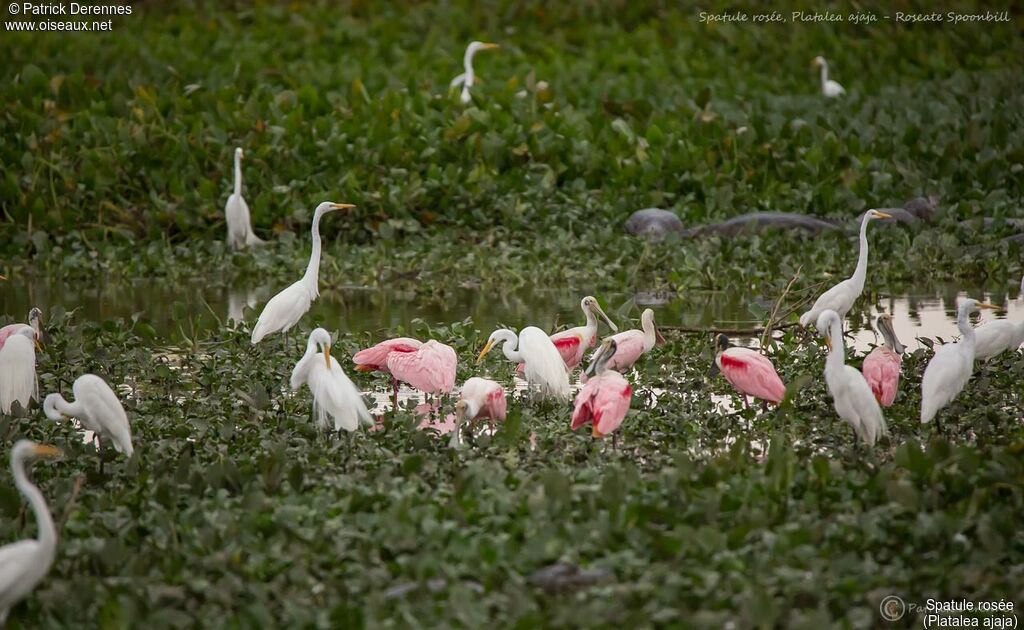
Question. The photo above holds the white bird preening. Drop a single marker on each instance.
(544, 367)
(236, 212)
(334, 395)
(285, 309)
(999, 336)
(950, 369)
(97, 407)
(851, 394)
(469, 77)
(841, 297)
(25, 563)
(829, 88)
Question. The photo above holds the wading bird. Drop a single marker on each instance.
(841, 297)
(375, 359)
(950, 369)
(994, 337)
(285, 309)
(18, 366)
(35, 321)
(236, 213)
(573, 343)
(429, 368)
(829, 88)
(480, 399)
(543, 366)
(469, 77)
(25, 563)
(631, 344)
(96, 406)
(334, 395)
(604, 399)
(881, 367)
(749, 371)
(851, 395)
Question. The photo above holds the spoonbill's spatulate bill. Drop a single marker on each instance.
(851, 395)
(25, 563)
(337, 403)
(285, 309)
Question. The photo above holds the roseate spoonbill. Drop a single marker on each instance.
(376, 358)
(468, 77)
(851, 395)
(236, 212)
(18, 367)
(35, 319)
(25, 563)
(631, 344)
(544, 367)
(604, 399)
(285, 309)
(96, 406)
(950, 369)
(841, 297)
(429, 368)
(481, 398)
(881, 367)
(573, 343)
(829, 88)
(749, 371)
(334, 395)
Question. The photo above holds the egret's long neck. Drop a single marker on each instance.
(55, 407)
(824, 73)
(312, 276)
(238, 174)
(510, 349)
(963, 322)
(837, 356)
(47, 532)
(467, 65)
(861, 272)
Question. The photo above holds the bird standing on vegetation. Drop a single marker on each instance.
(35, 321)
(851, 395)
(236, 212)
(18, 343)
(285, 309)
(573, 343)
(376, 358)
(481, 398)
(429, 368)
(841, 297)
(96, 406)
(881, 367)
(334, 394)
(950, 369)
(630, 345)
(749, 371)
(829, 88)
(994, 337)
(543, 366)
(469, 77)
(604, 399)
(25, 563)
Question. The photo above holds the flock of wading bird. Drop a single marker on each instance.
(545, 361)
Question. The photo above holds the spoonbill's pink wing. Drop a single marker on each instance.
(376, 358)
(571, 344)
(752, 373)
(604, 401)
(882, 372)
(431, 369)
(497, 406)
(629, 347)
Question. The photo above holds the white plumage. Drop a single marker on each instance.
(97, 407)
(829, 88)
(996, 337)
(236, 212)
(18, 369)
(334, 395)
(544, 367)
(469, 77)
(851, 394)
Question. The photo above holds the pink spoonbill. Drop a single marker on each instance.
(430, 368)
(573, 343)
(749, 371)
(375, 359)
(604, 399)
(630, 345)
(882, 366)
(481, 399)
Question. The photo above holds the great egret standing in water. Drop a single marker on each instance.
(950, 369)
(851, 395)
(285, 309)
(996, 337)
(236, 212)
(25, 563)
(468, 77)
(544, 367)
(97, 407)
(829, 88)
(334, 394)
(841, 297)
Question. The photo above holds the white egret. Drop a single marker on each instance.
(829, 88)
(950, 369)
(851, 394)
(97, 407)
(236, 212)
(544, 367)
(285, 309)
(469, 77)
(334, 394)
(25, 563)
(18, 367)
(996, 337)
(841, 297)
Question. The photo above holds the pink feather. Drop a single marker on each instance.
(603, 402)
(752, 374)
(376, 358)
(430, 369)
(882, 372)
